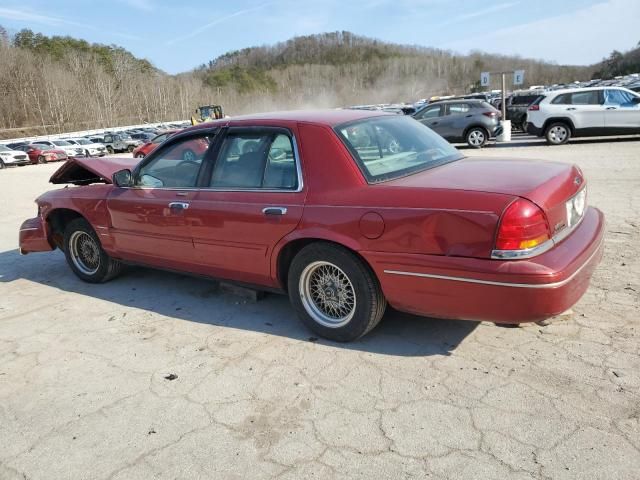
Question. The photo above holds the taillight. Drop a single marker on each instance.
(491, 114)
(522, 226)
(533, 108)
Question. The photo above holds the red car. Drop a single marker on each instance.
(43, 154)
(345, 210)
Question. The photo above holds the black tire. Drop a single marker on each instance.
(140, 155)
(477, 137)
(41, 159)
(558, 133)
(130, 148)
(87, 153)
(2, 165)
(106, 268)
(369, 303)
(110, 150)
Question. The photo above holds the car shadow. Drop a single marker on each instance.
(200, 300)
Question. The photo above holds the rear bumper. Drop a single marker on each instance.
(34, 236)
(533, 130)
(501, 291)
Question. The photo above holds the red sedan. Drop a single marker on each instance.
(189, 152)
(147, 147)
(345, 210)
(43, 154)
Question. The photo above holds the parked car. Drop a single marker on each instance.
(10, 157)
(69, 149)
(143, 136)
(146, 148)
(91, 149)
(120, 142)
(471, 121)
(584, 112)
(39, 153)
(346, 210)
(517, 106)
(16, 145)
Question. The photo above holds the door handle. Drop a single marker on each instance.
(468, 116)
(571, 108)
(274, 211)
(178, 205)
(611, 108)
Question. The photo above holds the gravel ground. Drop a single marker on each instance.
(156, 375)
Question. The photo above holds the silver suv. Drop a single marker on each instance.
(471, 121)
(120, 142)
(584, 112)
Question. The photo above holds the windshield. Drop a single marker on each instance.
(4, 148)
(82, 141)
(394, 146)
(61, 143)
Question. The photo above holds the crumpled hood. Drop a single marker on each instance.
(84, 171)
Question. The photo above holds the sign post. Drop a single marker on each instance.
(518, 79)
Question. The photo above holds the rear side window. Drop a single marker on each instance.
(458, 108)
(585, 98)
(256, 160)
(564, 99)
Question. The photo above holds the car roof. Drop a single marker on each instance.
(329, 118)
(583, 89)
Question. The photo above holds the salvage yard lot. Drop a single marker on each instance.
(156, 375)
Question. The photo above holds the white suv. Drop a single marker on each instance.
(583, 112)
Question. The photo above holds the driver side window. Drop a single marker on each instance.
(176, 166)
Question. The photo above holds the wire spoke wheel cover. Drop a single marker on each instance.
(327, 294)
(85, 252)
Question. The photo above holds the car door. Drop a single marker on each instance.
(586, 110)
(431, 117)
(622, 110)
(456, 118)
(150, 221)
(254, 197)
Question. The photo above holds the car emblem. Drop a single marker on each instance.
(577, 180)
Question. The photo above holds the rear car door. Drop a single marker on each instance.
(254, 197)
(457, 117)
(586, 110)
(431, 117)
(150, 222)
(622, 113)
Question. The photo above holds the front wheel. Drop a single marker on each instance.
(41, 159)
(130, 148)
(139, 156)
(85, 255)
(558, 133)
(2, 165)
(334, 293)
(477, 137)
(110, 150)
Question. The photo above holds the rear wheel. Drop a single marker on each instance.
(130, 148)
(334, 293)
(558, 133)
(110, 149)
(477, 137)
(2, 165)
(188, 155)
(85, 255)
(41, 159)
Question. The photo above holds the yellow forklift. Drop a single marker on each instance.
(207, 113)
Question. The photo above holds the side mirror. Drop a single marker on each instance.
(123, 178)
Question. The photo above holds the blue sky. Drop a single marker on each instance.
(179, 35)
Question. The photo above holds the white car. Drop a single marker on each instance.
(91, 149)
(584, 112)
(69, 149)
(12, 157)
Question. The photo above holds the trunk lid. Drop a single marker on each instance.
(84, 171)
(547, 184)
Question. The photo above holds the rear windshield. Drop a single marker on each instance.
(390, 147)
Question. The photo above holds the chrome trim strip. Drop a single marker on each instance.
(500, 284)
(29, 229)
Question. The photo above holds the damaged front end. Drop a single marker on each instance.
(85, 171)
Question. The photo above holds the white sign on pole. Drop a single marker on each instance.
(518, 77)
(485, 79)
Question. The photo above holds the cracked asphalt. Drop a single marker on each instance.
(156, 375)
